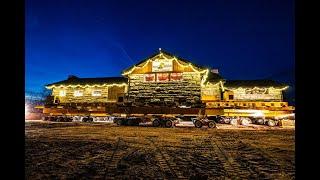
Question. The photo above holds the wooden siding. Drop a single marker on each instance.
(272, 95)
(107, 94)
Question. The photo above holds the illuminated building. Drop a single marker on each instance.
(166, 80)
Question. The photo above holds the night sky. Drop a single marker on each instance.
(100, 38)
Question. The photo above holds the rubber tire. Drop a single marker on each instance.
(271, 123)
(227, 120)
(260, 121)
(156, 123)
(234, 122)
(211, 124)
(198, 124)
(119, 122)
(60, 119)
(219, 120)
(75, 119)
(131, 122)
(244, 122)
(168, 123)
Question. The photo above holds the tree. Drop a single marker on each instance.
(45, 96)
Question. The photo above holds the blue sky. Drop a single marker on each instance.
(245, 39)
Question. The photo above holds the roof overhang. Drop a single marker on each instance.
(167, 56)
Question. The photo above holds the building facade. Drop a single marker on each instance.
(89, 90)
(163, 79)
(168, 80)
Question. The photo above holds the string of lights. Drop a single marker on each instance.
(243, 88)
(167, 59)
(84, 86)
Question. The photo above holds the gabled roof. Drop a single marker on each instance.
(253, 83)
(165, 53)
(90, 81)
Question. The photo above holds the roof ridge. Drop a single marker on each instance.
(166, 53)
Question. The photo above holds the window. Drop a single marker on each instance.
(96, 93)
(230, 97)
(149, 78)
(62, 93)
(263, 104)
(272, 104)
(78, 93)
(244, 104)
(176, 76)
(162, 77)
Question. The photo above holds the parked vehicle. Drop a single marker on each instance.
(199, 122)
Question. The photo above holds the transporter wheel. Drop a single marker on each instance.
(131, 122)
(211, 124)
(76, 118)
(94, 119)
(234, 122)
(219, 119)
(260, 121)
(226, 120)
(60, 119)
(119, 122)
(90, 119)
(168, 123)
(137, 122)
(245, 122)
(250, 120)
(198, 124)
(271, 123)
(156, 123)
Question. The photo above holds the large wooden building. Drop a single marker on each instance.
(164, 79)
